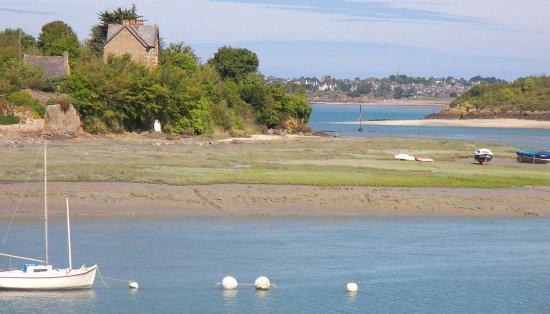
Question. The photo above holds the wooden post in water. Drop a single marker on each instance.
(360, 118)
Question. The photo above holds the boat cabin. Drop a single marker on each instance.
(33, 268)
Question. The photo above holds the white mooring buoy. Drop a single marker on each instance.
(133, 285)
(352, 287)
(262, 283)
(229, 283)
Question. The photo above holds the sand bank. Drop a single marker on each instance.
(108, 199)
(473, 123)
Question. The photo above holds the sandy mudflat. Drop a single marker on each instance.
(106, 199)
(474, 123)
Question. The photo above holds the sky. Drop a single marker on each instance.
(341, 38)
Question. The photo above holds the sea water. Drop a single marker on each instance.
(401, 265)
(325, 118)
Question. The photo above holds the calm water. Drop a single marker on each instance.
(324, 116)
(401, 265)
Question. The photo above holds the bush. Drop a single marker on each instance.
(53, 84)
(94, 125)
(9, 119)
(20, 73)
(64, 104)
(24, 99)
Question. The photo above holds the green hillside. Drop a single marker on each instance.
(526, 94)
(524, 98)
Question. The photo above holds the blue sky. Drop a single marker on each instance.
(342, 38)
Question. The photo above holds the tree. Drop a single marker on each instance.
(14, 72)
(57, 37)
(181, 56)
(98, 33)
(9, 44)
(235, 63)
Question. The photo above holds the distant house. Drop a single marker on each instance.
(52, 66)
(133, 37)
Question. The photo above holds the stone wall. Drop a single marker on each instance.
(125, 43)
(52, 66)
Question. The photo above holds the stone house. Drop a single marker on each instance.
(133, 37)
(52, 66)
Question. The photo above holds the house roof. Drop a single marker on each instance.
(147, 35)
(52, 66)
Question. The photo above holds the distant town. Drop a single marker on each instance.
(397, 86)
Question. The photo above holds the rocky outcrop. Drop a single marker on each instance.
(62, 119)
(461, 112)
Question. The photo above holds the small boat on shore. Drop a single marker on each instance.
(423, 159)
(406, 157)
(483, 156)
(533, 156)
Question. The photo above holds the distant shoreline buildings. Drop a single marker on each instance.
(396, 87)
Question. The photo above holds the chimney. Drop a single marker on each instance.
(132, 22)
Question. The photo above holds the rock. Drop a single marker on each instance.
(62, 119)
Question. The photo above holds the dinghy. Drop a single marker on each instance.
(423, 159)
(483, 156)
(44, 276)
(533, 156)
(406, 157)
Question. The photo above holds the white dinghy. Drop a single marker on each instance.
(44, 276)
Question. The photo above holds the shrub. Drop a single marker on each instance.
(94, 125)
(64, 104)
(3, 106)
(9, 119)
(24, 99)
(20, 73)
(53, 84)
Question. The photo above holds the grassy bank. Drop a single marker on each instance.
(308, 161)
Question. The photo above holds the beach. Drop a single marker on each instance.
(262, 175)
(120, 199)
(473, 123)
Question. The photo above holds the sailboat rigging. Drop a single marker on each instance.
(45, 276)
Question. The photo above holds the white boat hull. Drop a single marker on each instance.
(58, 279)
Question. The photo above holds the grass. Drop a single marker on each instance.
(308, 161)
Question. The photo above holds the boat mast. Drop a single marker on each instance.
(69, 234)
(45, 203)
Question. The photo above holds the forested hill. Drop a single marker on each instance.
(524, 98)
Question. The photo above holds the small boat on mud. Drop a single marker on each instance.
(423, 159)
(483, 156)
(533, 156)
(405, 157)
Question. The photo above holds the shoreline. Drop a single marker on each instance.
(471, 123)
(383, 102)
(143, 200)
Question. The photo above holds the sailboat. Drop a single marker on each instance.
(44, 276)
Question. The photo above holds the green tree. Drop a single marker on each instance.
(57, 37)
(181, 56)
(20, 74)
(9, 44)
(98, 33)
(235, 63)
